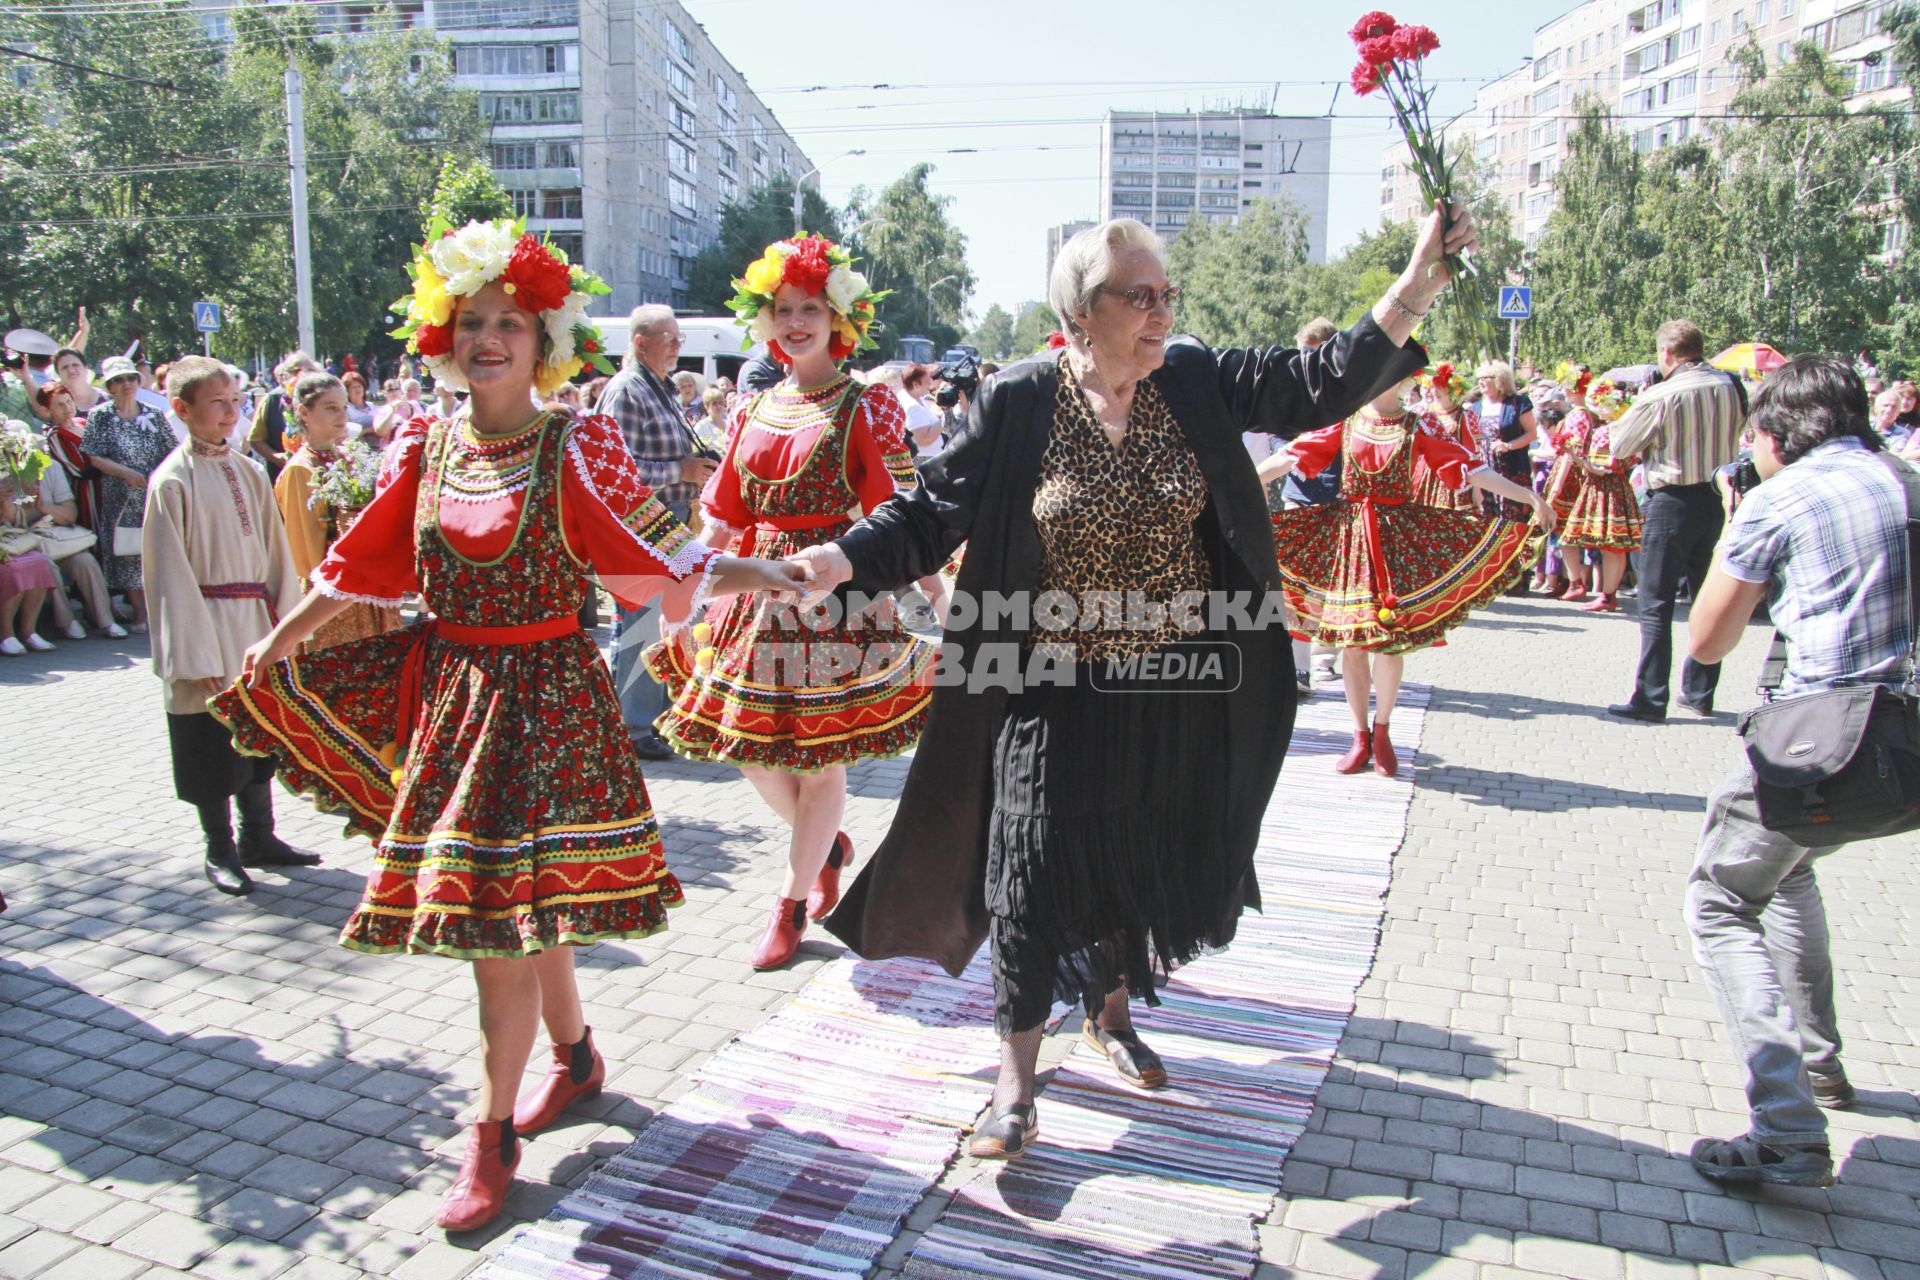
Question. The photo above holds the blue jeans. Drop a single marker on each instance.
(642, 698)
(1760, 932)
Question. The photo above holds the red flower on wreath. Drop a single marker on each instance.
(1373, 23)
(538, 280)
(807, 266)
(434, 339)
(1442, 376)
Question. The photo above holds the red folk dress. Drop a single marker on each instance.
(1378, 552)
(1605, 515)
(1566, 478)
(516, 818)
(785, 690)
(1462, 428)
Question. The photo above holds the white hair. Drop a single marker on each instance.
(296, 362)
(1086, 262)
(640, 324)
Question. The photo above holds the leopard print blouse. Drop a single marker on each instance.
(1117, 524)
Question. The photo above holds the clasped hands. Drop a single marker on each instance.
(807, 576)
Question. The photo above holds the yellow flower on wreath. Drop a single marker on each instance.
(763, 277)
(431, 304)
(548, 377)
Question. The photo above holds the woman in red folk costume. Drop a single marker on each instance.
(1444, 417)
(1377, 574)
(794, 699)
(482, 749)
(1605, 517)
(1566, 478)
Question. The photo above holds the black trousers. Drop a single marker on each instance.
(1682, 525)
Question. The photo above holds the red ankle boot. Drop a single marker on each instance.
(825, 894)
(486, 1175)
(784, 931)
(1605, 602)
(1357, 755)
(577, 1073)
(1575, 593)
(1385, 762)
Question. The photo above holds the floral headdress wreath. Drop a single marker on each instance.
(1608, 399)
(458, 264)
(1575, 378)
(1448, 380)
(816, 265)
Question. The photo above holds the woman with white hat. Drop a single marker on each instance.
(127, 443)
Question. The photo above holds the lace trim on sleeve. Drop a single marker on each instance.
(326, 588)
(647, 520)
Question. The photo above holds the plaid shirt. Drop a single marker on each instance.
(1686, 428)
(648, 411)
(1828, 535)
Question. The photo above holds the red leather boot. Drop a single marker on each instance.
(1385, 762)
(486, 1175)
(825, 894)
(1357, 755)
(577, 1073)
(784, 931)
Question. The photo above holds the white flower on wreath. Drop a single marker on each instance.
(472, 257)
(559, 324)
(760, 328)
(845, 286)
(445, 371)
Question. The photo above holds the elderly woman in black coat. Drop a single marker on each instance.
(1089, 787)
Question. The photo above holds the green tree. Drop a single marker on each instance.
(1243, 284)
(1345, 288)
(913, 248)
(994, 334)
(1030, 329)
(1586, 268)
(747, 226)
(466, 191)
(1898, 340)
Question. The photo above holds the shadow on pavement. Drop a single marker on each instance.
(1525, 793)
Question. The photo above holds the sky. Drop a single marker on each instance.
(1006, 99)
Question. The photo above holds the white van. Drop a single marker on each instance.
(712, 344)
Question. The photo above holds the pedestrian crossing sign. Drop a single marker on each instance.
(206, 317)
(1516, 302)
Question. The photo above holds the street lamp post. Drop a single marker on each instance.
(799, 184)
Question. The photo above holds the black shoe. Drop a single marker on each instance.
(652, 746)
(1637, 711)
(1702, 708)
(224, 871)
(265, 849)
(1006, 1133)
(1136, 1064)
(1746, 1161)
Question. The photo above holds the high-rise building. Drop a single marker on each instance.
(1169, 169)
(617, 127)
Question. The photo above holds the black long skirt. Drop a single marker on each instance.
(206, 768)
(1106, 862)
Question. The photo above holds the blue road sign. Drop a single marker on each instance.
(206, 316)
(1516, 302)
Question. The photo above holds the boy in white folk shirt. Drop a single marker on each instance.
(219, 576)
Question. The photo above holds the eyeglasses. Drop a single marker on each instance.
(1146, 297)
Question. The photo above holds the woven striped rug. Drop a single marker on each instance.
(803, 1145)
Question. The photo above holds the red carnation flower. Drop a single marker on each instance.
(1413, 43)
(838, 348)
(1380, 51)
(1365, 78)
(540, 281)
(434, 339)
(1374, 23)
(1442, 375)
(1056, 340)
(807, 267)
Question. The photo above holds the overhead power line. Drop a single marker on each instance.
(97, 71)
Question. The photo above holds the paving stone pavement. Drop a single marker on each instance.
(192, 1085)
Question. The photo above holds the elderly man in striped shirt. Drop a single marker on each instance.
(1683, 430)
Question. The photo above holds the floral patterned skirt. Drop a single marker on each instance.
(1440, 564)
(518, 820)
(1430, 492)
(1606, 516)
(1564, 484)
(786, 690)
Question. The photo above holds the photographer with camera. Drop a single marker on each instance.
(959, 382)
(1824, 539)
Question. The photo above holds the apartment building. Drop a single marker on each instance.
(618, 128)
(1666, 70)
(1170, 170)
(1057, 238)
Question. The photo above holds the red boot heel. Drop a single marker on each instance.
(577, 1074)
(1357, 755)
(784, 931)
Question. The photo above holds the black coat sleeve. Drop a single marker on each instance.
(1286, 392)
(913, 534)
